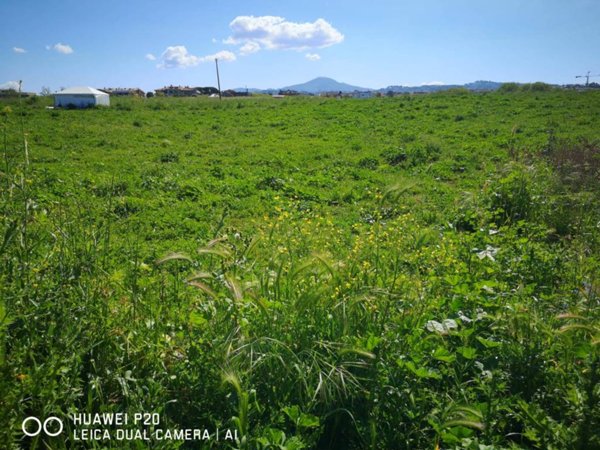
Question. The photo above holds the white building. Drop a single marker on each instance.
(81, 97)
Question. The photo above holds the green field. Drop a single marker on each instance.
(417, 272)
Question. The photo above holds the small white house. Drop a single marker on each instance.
(81, 97)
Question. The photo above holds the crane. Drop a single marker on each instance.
(587, 77)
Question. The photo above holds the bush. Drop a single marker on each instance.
(538, 86)
(271, 183)
(511, 199)
(169, 157)
(426, 152)
(368, 163)
(394, 157)
(509, 87)
(576, 163)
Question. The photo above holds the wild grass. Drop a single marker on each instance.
(314, 273)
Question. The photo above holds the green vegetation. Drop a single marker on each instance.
(538, 86)
(409, 272)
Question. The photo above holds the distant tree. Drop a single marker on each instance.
(508, 87)
(45, 91)
(538, 86)
(149, 94)
(458, 91)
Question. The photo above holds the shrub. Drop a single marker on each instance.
(368, 163)
(576, 163)
(538, 86)
(394, 157)
(511, 197)
(426, 152)
(271, 183)
(169, 157)
(509, 87)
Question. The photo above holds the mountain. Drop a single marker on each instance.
(482, 85)
(323, 84)
(256, 91)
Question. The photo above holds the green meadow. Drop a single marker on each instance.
(417, 272)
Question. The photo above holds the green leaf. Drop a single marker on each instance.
(197, 319)
(421, 372)
(293, 412)
(487, 343)
(442, 354)
(467, 352)
(295, 443)
(308, 421)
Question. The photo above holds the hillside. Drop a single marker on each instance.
(324, 84)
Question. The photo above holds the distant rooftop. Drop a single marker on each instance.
(81, 90)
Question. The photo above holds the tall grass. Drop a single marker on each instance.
(391, 321)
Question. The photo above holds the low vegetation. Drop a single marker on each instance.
(409, 272)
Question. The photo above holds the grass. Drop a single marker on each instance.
(412, 272)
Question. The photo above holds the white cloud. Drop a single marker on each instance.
(178, 57)
(150, 57)
(275, 33)
(14, 85)
(224, 55)
(249, 47)
(312, 56)
(214, 40)
(19, 50)
(60, 48)
(433, 83)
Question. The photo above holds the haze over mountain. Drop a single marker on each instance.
(324, 84)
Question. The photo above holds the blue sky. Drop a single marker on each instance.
(268, 43)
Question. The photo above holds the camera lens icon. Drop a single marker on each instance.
(36, 426)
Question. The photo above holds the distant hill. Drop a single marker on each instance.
(483, 85)
(474, 86)
(256, 91)
(323, 84)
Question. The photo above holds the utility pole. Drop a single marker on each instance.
(218, 79)
(26, 150)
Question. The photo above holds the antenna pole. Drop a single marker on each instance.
(587, 77)
(218, 79)
(23, 125)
